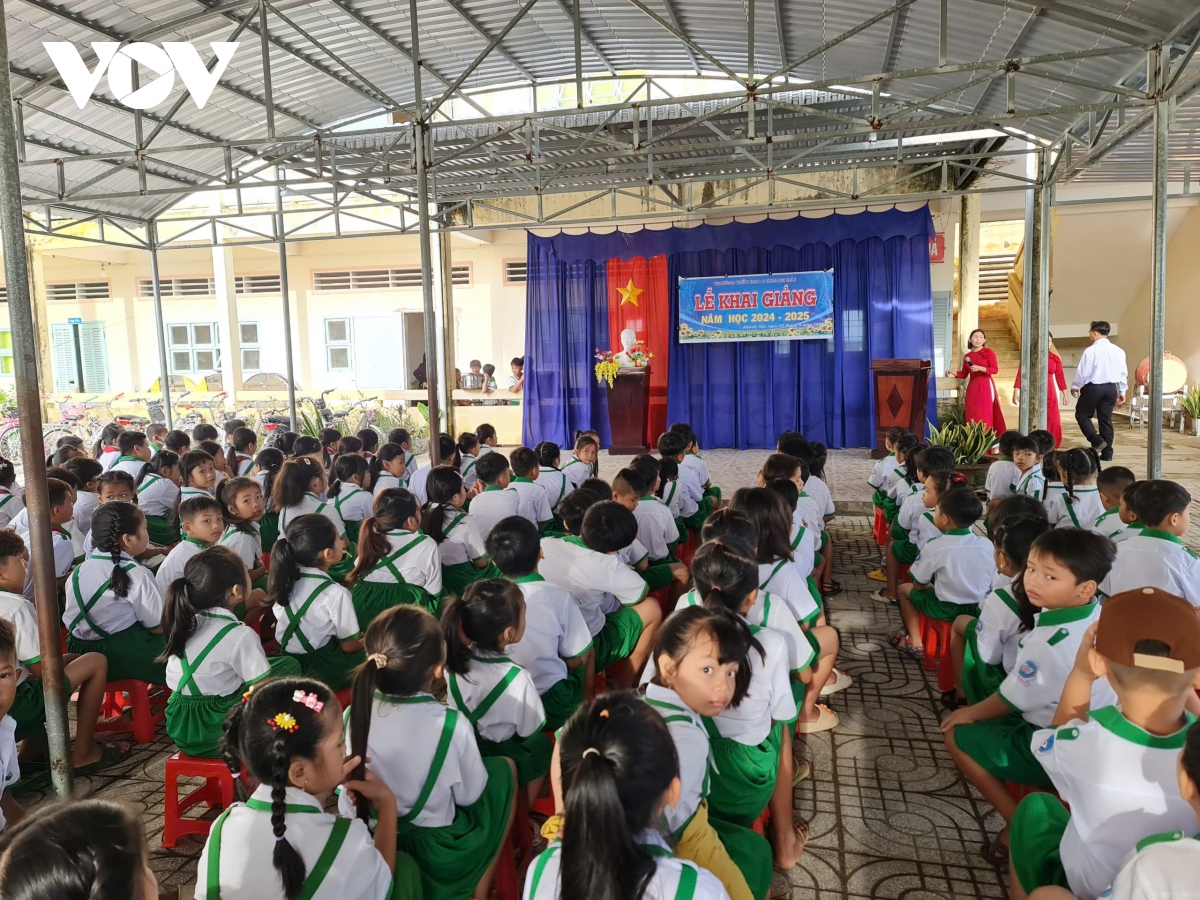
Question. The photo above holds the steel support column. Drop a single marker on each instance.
(33, 453)
(164, 378)
(1158, 293)
(286, 299)
(1027, 295)
(1038, 340)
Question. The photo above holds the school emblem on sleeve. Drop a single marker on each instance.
(1047, 745)
(1028, 670)
(978, 627)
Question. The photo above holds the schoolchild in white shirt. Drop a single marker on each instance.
(553, 481)
(533, 501)
(488, 439)
(267, 466)
(673, 446)
(212, 657)
(368, 438)
(907, 481)
(617, 746)
(496, 500)
(1055, 480)
(105, 448)
(885, 471)
(198, 474)
(1157, 556)
(62, 509)
(1002, 475)
(455, 807)
(1112, 484)
(1028, 459)
(448, 456)
(578, 467)
(991, 741)
(113, 604)
(239, 455)
(10, 502)
(242, 505)
(670, 494)
(221, 469)
(202, 524)
(403, 439)
(495, 693)
(907, 494)
(351, 493)
(11, 811)
(694, 462)
(314, 616)
(468, 452)
(456, 534)
(288, 737)
(1078, 505)
(656, 523)
(158, 496)
(135, 455)
(396, 563)
(87, 471)
(815, 495)
(663, 571)
(297, 491)
(388, 469)
(1116, 766)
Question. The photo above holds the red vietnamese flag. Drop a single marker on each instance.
(637, 299)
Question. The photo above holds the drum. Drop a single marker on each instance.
(1175, 374)
(471, 381)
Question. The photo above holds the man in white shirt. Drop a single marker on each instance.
(1100, 383)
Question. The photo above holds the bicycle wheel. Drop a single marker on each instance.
(10, 443)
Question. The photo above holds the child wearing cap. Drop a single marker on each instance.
(1115, 766)
(1156, 556)
(990, 741)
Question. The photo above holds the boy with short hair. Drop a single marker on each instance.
(694, 462)
(991, 741)
(556, 648)
(88, 471)
(688, 496)
(661, 569)
(1044, 439)
(578, 467)
(204, 432)
(1027, 456)
(156, 434)
(1111, 483)
(1002, 475)
(533, 502)
(135, 454)
(86, 673)
(497, 500)
(1115, 766)
(656, 526)
(612, 597)
(953, 572)
(202, 524)
(62, 510)
(1156, 556)
(178, 442)
(10, 771)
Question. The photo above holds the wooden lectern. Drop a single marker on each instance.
(628, 407)
(901, 395)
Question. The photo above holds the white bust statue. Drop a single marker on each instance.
(628, 340)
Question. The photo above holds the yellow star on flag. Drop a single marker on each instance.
(629, 293)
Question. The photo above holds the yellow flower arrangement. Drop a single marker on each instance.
(607, 367)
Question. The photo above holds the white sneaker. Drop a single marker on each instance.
(838, 681)
(879, 598)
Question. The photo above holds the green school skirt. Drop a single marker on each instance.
(531, 755)
(344, 566)
(891, 509)
(714, 492)
(268, 530)
(617, 638)
(406, 879)
(457, 578)
(352, 529)
(162, 531)
(28, 710)
(564, 698)
(373, 598)
(196, 723)
(1036, 832)
(454, 857)
(979, 679)
(927, 603)
(330, 665)
(130, 653)
(1001, 746)
(746, 779)
(750, 852)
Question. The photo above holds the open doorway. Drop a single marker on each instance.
(414, 346)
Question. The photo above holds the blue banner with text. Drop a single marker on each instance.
(792, 306)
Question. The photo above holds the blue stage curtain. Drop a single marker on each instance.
(742, 394)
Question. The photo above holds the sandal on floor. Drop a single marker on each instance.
(897, 638)
(950, 700)
(838, 681)
(995, 852)
(110, 755)
(878, 597)
(833, 586)
(877, 575)
(801, 772)
(825, 721)
(917, 653)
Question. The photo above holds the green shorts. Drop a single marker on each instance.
(891, 509)
(564, 698)
(979, 679)
(132, 653)
(531, 755)
(824, 538)
(161, 531)
(28, 710)
(617, 638)
(879, 498)
(1036, 831)
(1002, 747)
(928, 604)
(905, 551)
(697, 519)
(657, 575)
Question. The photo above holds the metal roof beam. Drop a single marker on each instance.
(673, 18)
(724, 69)
(899, 20)
(1013, 49)
(783, 47)
(587, 38)
(1070, 14)
(482, 32)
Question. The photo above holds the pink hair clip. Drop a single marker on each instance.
(309, 700)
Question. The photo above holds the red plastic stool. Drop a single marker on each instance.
(760, 824)
(685, 551)
(902, 574)
(879, 529)
(143, 699)
(663, 596)
(345, 695)
(215, 793)
(506, 874)
(935, 638)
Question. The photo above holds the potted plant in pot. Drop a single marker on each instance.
(970, 442)
(1191, 406)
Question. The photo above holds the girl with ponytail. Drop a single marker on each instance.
(751, 742)
(455, 808)
(266, 467)
(286, 735)
(242, 507)
(388, 469)
(112, 602)
(402, 437)
(618, 772)
(314, 616)
(243, 444)
(396, 563)
(212, 658)
(1079, 505)
(298, 491)
(351, 491)
(495, 694)
(468, 452)
(105, 447)
(449, 456)
(464, 559)
(554, 482)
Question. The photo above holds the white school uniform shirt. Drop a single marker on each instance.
(819, 491)
(1002, 477)
(466, 468)
(1082, 512)
(805, 541)
(532, 502)
(386, 482)
(461, 540)
(788, 586)
(109, 458)
(64, 556)
(10, 770)
(143, 604)
(172, 567)
(1163, 867)
(1153, 558)
(809, 512)
(1103, 362)
(244, 464)
(157, 496)
(694, 462)
(246, 544)
(1053, 490)
(575, 471)
(11, 504)
(22, 615)
(677, 500)
(187, 492)
(555, 631)
(554, 483)
(656, 527)
(416, 484)
(958, 564)
(691, 485)
(1121, 786)
(902, 488)
(633, 554)
(923, 530)
(1112, 527)
(85, 507)
(883, 473)
(492, 505)
(692, 748)
(330, 616)
(998, 628)
(912, 507)
(1045, 657)
(311, 503)
(236, 658)
(769, 612)
(600, 581)
(542, 882)
(247, 843)
(353, 504)
(1032, 483)
(405, 733)
(130, 465)
(516, 711)
(419, 564)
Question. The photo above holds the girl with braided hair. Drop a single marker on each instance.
(455, 807)
(113, 604)
(1079, 505)
(287, 736)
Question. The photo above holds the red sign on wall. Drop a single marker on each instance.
(937, 248)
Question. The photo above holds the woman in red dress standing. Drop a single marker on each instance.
(1056, 394)
(982, 403)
